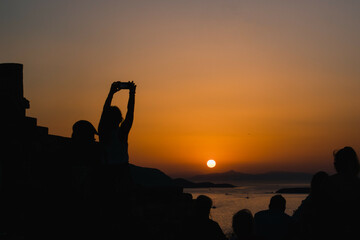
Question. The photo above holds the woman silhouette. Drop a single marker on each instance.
(112, 135)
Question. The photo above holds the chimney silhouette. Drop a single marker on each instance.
(13, 103)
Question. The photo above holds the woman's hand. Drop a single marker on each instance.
(115, 87)
(132, 87)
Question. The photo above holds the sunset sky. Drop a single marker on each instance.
(256, 85)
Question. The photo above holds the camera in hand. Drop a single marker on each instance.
(123, 85)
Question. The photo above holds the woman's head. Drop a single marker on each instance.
(203, 205)
(277, 203)
(243, 223)
(318, 181)
(83, 131)
(346, 161)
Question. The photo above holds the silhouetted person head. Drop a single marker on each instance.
(318, 181)
(83, 131)
(243, 223)
(202, 206)
(346, 162)
(277, 203)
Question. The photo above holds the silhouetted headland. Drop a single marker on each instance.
(150, 177)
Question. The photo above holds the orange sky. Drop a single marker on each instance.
(257, 86)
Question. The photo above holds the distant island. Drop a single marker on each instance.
(269, 177)
(181, 182)
(152, 177)
(223, 180)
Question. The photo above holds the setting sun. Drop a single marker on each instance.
(211, 163)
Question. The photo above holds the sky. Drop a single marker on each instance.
(256, 85)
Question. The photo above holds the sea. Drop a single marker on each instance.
(255, 197)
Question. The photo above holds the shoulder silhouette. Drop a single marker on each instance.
(199, 225)
(308, 216)
(342, 192)
(273, 223)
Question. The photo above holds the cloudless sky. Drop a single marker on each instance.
(257, 85)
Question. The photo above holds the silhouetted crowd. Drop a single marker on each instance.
(106, 203)
(87, 192)
(330, 211)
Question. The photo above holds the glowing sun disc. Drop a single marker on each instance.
(211, 163)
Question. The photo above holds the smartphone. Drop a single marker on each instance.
(124, 85)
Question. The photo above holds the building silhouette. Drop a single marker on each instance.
(23, 148)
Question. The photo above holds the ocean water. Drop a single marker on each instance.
(228, 201)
